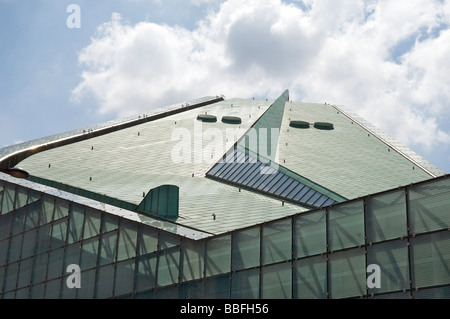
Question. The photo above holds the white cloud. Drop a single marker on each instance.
(386, 60)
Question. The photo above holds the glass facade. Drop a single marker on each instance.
(320, 254)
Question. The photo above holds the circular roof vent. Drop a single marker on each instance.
(324, 126)
(299, 124)
(231, 120)
(207, 118)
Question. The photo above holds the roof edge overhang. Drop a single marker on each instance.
(12, 158)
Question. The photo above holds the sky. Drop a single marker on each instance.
(388, 61)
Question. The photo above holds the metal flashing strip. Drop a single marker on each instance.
(163, 225)
(12, 155)
(389, 141)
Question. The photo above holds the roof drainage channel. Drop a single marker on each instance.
(12, 159)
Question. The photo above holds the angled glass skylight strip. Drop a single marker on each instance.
(243, 170)
(277, 184)
(273, 181)
(294, 192)
(321, 200)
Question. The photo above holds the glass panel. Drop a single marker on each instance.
(108, 248)
(218, 255)
(104, 282)
(274, 180)
(21, 197)
(313, 198)
(72, 255)
(433, 293)
(18, 221)
(193, 260)
(322, 199)
(246, 248)
(243, 172)
(217, 287)
(216, 168)
(168, 267)
(76, 219)
(305, 198)
(15, 244)
(430, 257)
(261, 177)
(392, 257)
(302, 193)
(428, 206)
(277, 241)
(386, 216)
(310, 237)
(39, 268)
(37, 291)
(48, 205)
(295, 191)
(192, 290)
(59, 232)
(240, 171)
(235, 170)
(87, 279)
(168, 240)
(347, 273)
(43, 238)
(66, 292)
(147, 240)
(109, 223)
(8, 199)
(28, 243)
(61, 209)
(276, 281)
(127, 241)
(33, 196)
(289, 189)
(277, 185)
(5, 226)
(25, 267)
(11, 277)
(32, 216)
(146, 272)
(55, 264)
(23, 293)
(4, 244)
(247, 178)
(166, 293)
(228, 169)
(310, 278)
(124, 277)
(285, 185)
(2, 275)
(89, 251)
(346, 228)
(398, 295)
(91, 223)
(52, 289)
(245, 284)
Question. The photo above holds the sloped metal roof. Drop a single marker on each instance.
(349, 161)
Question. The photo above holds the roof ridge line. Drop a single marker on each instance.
(359, 120)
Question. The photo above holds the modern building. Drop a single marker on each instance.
(224, 198)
